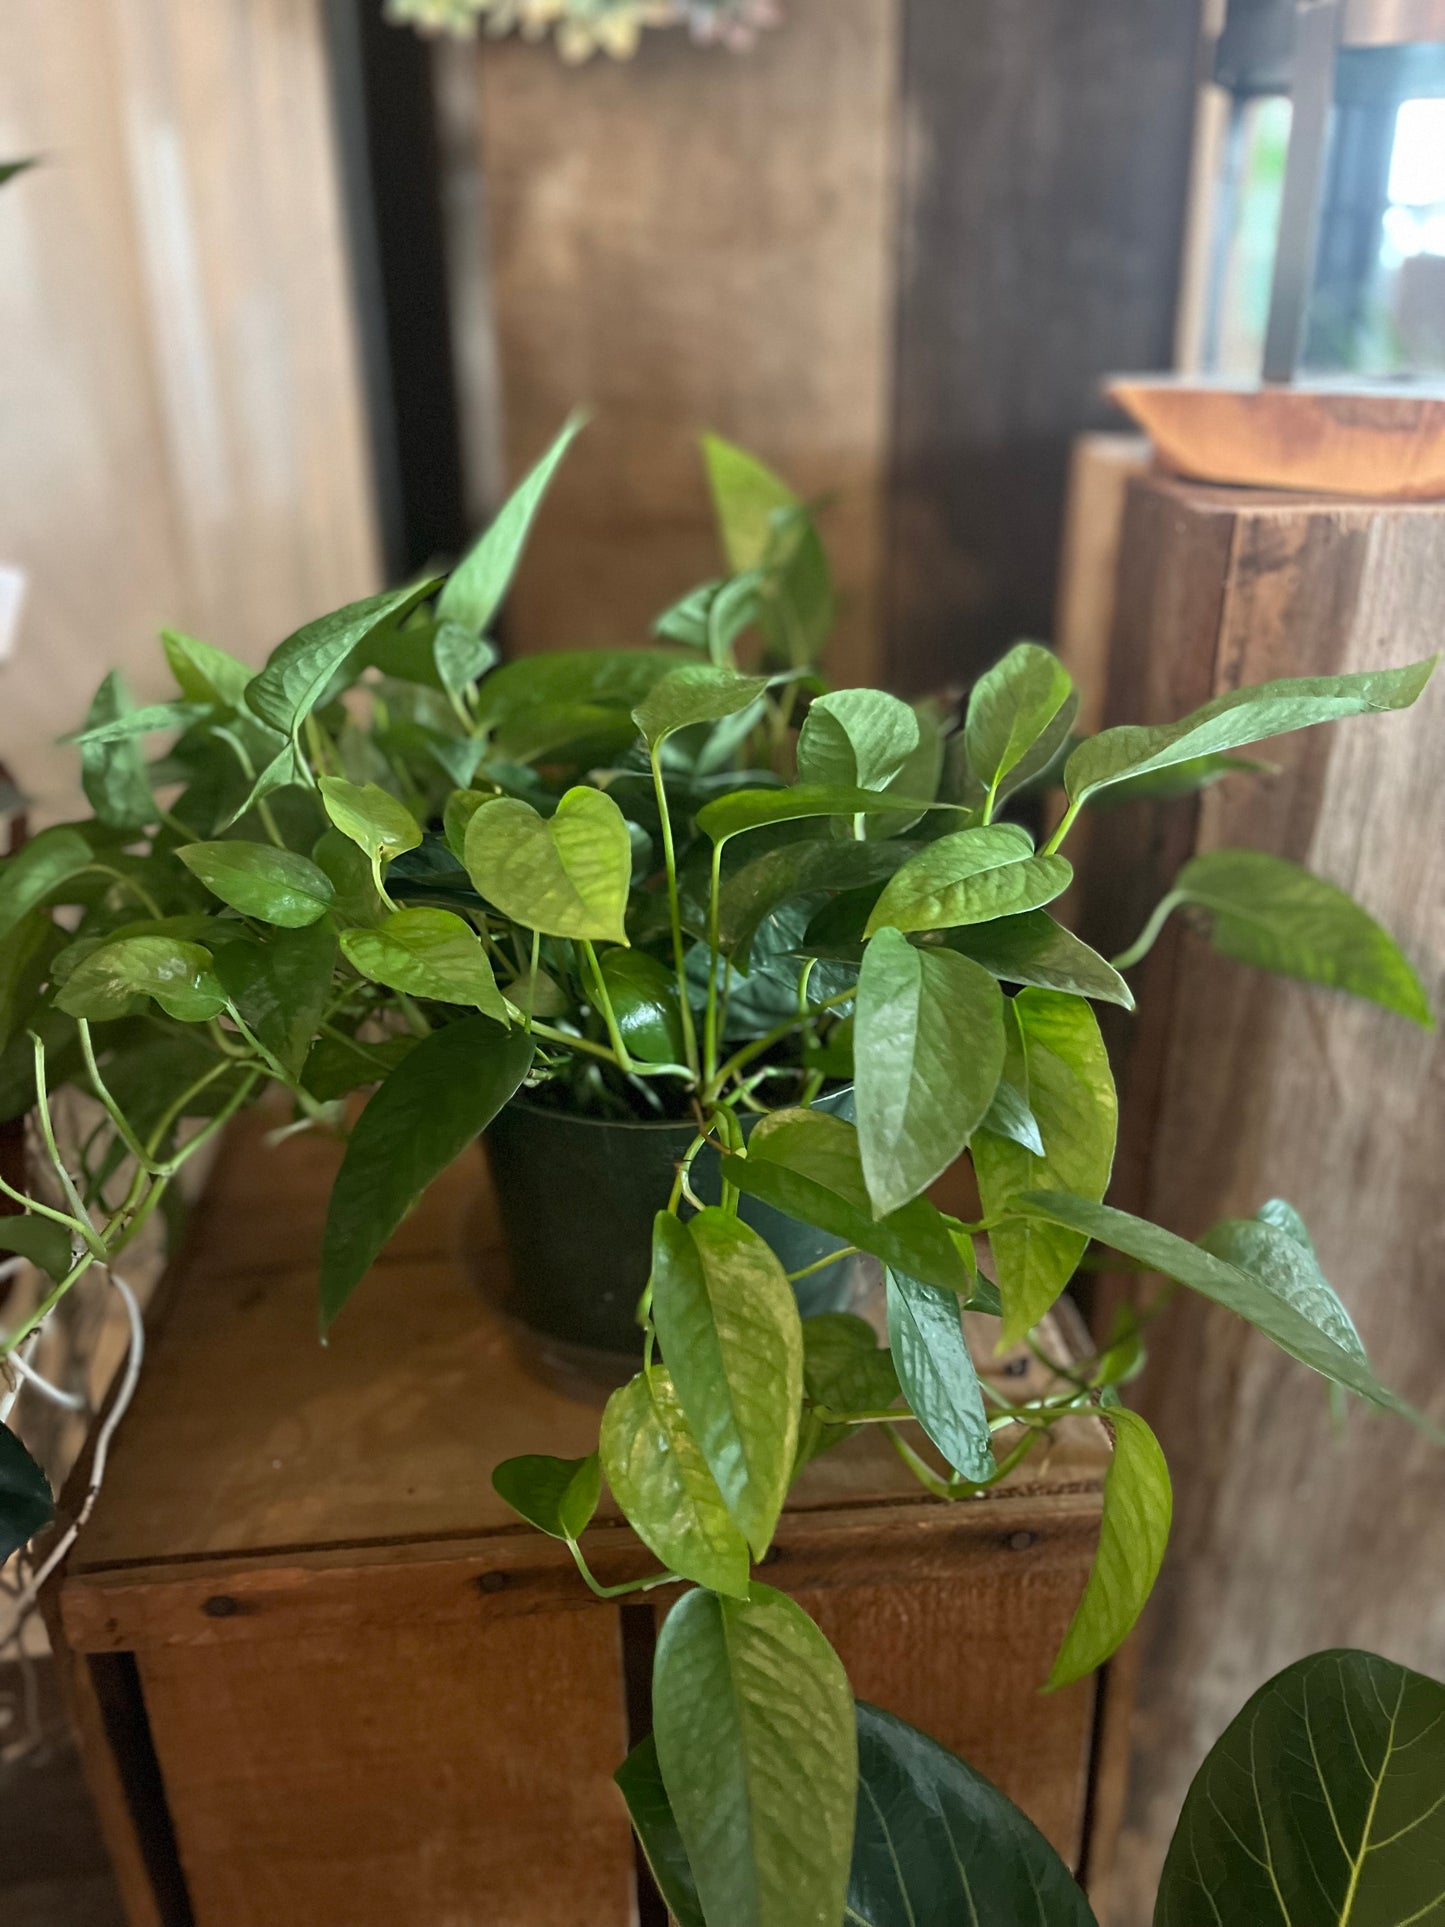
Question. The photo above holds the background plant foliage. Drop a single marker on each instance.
(681, 881)
(585, 27)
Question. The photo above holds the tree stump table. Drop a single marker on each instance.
(320, 1673)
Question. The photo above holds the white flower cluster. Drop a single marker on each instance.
(585, 27)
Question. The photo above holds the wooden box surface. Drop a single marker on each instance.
(322, 1674)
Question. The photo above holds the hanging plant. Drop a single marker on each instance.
(585, 27)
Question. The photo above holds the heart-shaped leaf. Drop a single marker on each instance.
(660, 1478)
(728, 1323)
(928, 1046)
(1072, 1098)
(645, 1004)
(371, 816)
(971, 876)
(558, 1496)
(53, 858)
(1133, 1534)
(259, 880)
(478, 585)
(856, 739)
(694, 693)
(427, 953)
(753, 1720)
(567, 875)
(1322, 1803)
(440, 1097)
(936, 1370)
(1033, 949)
(1239, 717)
(25, 1502)
(808, 1165)
(1010, 708)
(281, 988)
(299, 669)
(177, 974)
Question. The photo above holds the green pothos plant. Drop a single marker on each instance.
(686, 881)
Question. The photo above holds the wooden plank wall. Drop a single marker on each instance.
(1045, 164)
(183, 434)
(1288, 1536)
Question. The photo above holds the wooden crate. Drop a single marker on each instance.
(322, 1674)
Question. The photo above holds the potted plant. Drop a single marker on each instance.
(684, 886)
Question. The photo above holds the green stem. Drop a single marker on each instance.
(1065, 825)
(674, 907)
(47, 1305)
(47, 1131)
(741, 1059)
(710, 1022)
(1149, 935)
(990, 802)
(137, 890)
(598, 989)
(117, 1117)
(617, 1592)
(822, 1264)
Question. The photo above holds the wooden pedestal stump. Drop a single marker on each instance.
(320, 1672)
(1289, 1535)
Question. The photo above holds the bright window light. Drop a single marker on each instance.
(1417, 164)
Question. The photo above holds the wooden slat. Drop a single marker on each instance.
(457, 1775)
(691, 242)
(1288, 1538)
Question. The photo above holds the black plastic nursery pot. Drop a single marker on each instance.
(577, 1196)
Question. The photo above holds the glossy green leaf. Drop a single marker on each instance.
(567, 875)
(371, 816)
(1321, 1805)
(427, 952)
(936, 1370)
(728, 1324)
(645, 1004)
(441, 1096)
(557, 1496)
(639, 1779)
(26, 1506)
(808, 1165)
(177, 974)
(298, 670)
(694, 693)
(1237, 718)
(1033, 949)
(928, 1046)
(660, 1478)
(281, 988)
(515, 697)
(1266, 911)
(1010, 708)
(1072, 1098)
(40, 868)
(113, 773)
(476, 588)
(336, 1066)
(278, 886)
(1010, 1114)
(286, 767)
(1133, 1535)
(1292, 1329)
(355, 899)
(1275, 1248)
(753, 1719)
(1178, 779)
(806, 868)
(204, 673)
(752, 809)
(44, 1242)
(971, 876)
(856, 739)
(844, 1366)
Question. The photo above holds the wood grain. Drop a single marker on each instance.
(687, 242)
(183, 428)
(1288, 1537)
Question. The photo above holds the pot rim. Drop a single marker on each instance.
(658, 1124)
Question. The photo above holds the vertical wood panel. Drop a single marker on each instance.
(1045, 174)
(455, 1777)
(690, 241)
(1287, 1537)
(183, 432)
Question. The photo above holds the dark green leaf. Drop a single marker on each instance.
(177, 974)
(694, 693)
(44, 1242)
(299, 669)
(427, 953)
(281, 988)
(753, 1720)
(25, 1502)
(374, 820)
(336, 1066)
(26, 954)
(1071, 1096)
(1138, 1507)
(1010, 1114)
(1033, 949)
(800, 869)
(971, 876)
(1323, 1803)
(936, 1371)
(928, 1046)
(261, 881)
(113, 773)
(937, 1845)
(477, 586)
(612, 681)
(38, 870)
(660, 1478)
(808, 1165)
(356, 900)
(639, 1779)
(285, 768)
(645, 1004)
(431, 1107)
(558, 1496)
(1010, 708)
(1237, 718)
(856, 739)
(751, 809)
(567, 875)
(728, 1324)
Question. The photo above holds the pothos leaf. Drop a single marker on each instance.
(25, 1502)
(558, 1496)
